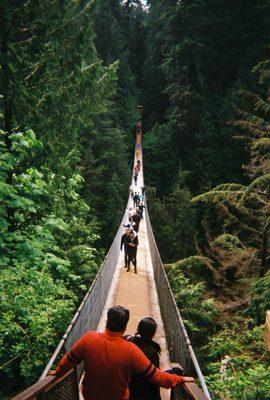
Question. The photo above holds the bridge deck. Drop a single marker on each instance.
(138, 291)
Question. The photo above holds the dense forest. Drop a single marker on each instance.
(71, 75)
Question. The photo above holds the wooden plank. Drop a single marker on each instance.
(194, 392)
(31, 392)
(267, 330)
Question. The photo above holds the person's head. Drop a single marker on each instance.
(147, 327)
(131, 233)
(127, 231)
(117, 319)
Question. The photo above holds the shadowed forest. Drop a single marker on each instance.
(71, 75)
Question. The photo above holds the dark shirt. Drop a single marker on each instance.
(141, 389)
(136, 198)
(136, 218)
(133, 249)
(141, 207)
(124, 241)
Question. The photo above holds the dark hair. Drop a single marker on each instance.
(117, 319)
(147, 327)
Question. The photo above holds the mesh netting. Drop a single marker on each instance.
(177, 339)
(89, 313)
(67, 389)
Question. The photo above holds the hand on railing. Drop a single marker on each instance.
(177, 370)
(52, 372)
(186, 379)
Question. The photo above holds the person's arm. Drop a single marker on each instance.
(122, 242)
(72, 358)
(143, 366)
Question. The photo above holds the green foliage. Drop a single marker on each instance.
(197, 311)
(186, 48)
(47, 260)
(71, 72)
(53, 84)
(247, 375)
(227, 242)
(173, 220)
(260, 299)
(34, 310)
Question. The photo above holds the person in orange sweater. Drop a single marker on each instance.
(110, 360)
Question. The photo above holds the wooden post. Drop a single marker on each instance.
(267, 330)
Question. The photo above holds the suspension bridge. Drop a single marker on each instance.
(146, 293)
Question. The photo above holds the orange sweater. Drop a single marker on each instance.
(109, 362)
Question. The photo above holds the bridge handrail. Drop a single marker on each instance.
(179, 345)
(67, 385)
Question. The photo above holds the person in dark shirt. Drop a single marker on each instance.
(133, 243)
(124, 242)
(141, 207)
(135, 176)
(139, 388)
(136, 199)
(136, 219)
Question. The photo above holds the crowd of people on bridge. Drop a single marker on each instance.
(129, 240)
(120, 367)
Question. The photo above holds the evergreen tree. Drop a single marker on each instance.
(53, 82)
(206, 47)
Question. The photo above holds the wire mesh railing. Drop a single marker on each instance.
(179, 346)
(88, 315)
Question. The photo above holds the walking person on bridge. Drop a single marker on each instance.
(124, 242)
(133, 243)
(136, 173)
(141, 207)
(136, 199)
(137, 219)
(110, 360)
(140, 388)
(142, 191)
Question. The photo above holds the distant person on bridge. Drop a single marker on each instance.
(110, 360)
(141, 207)
(131, 191)
(124, 242)
(138, 165)
(143, 191)
(136, 199)
(133, 244)
(136, 173)
(139, 127)
(137, 219)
